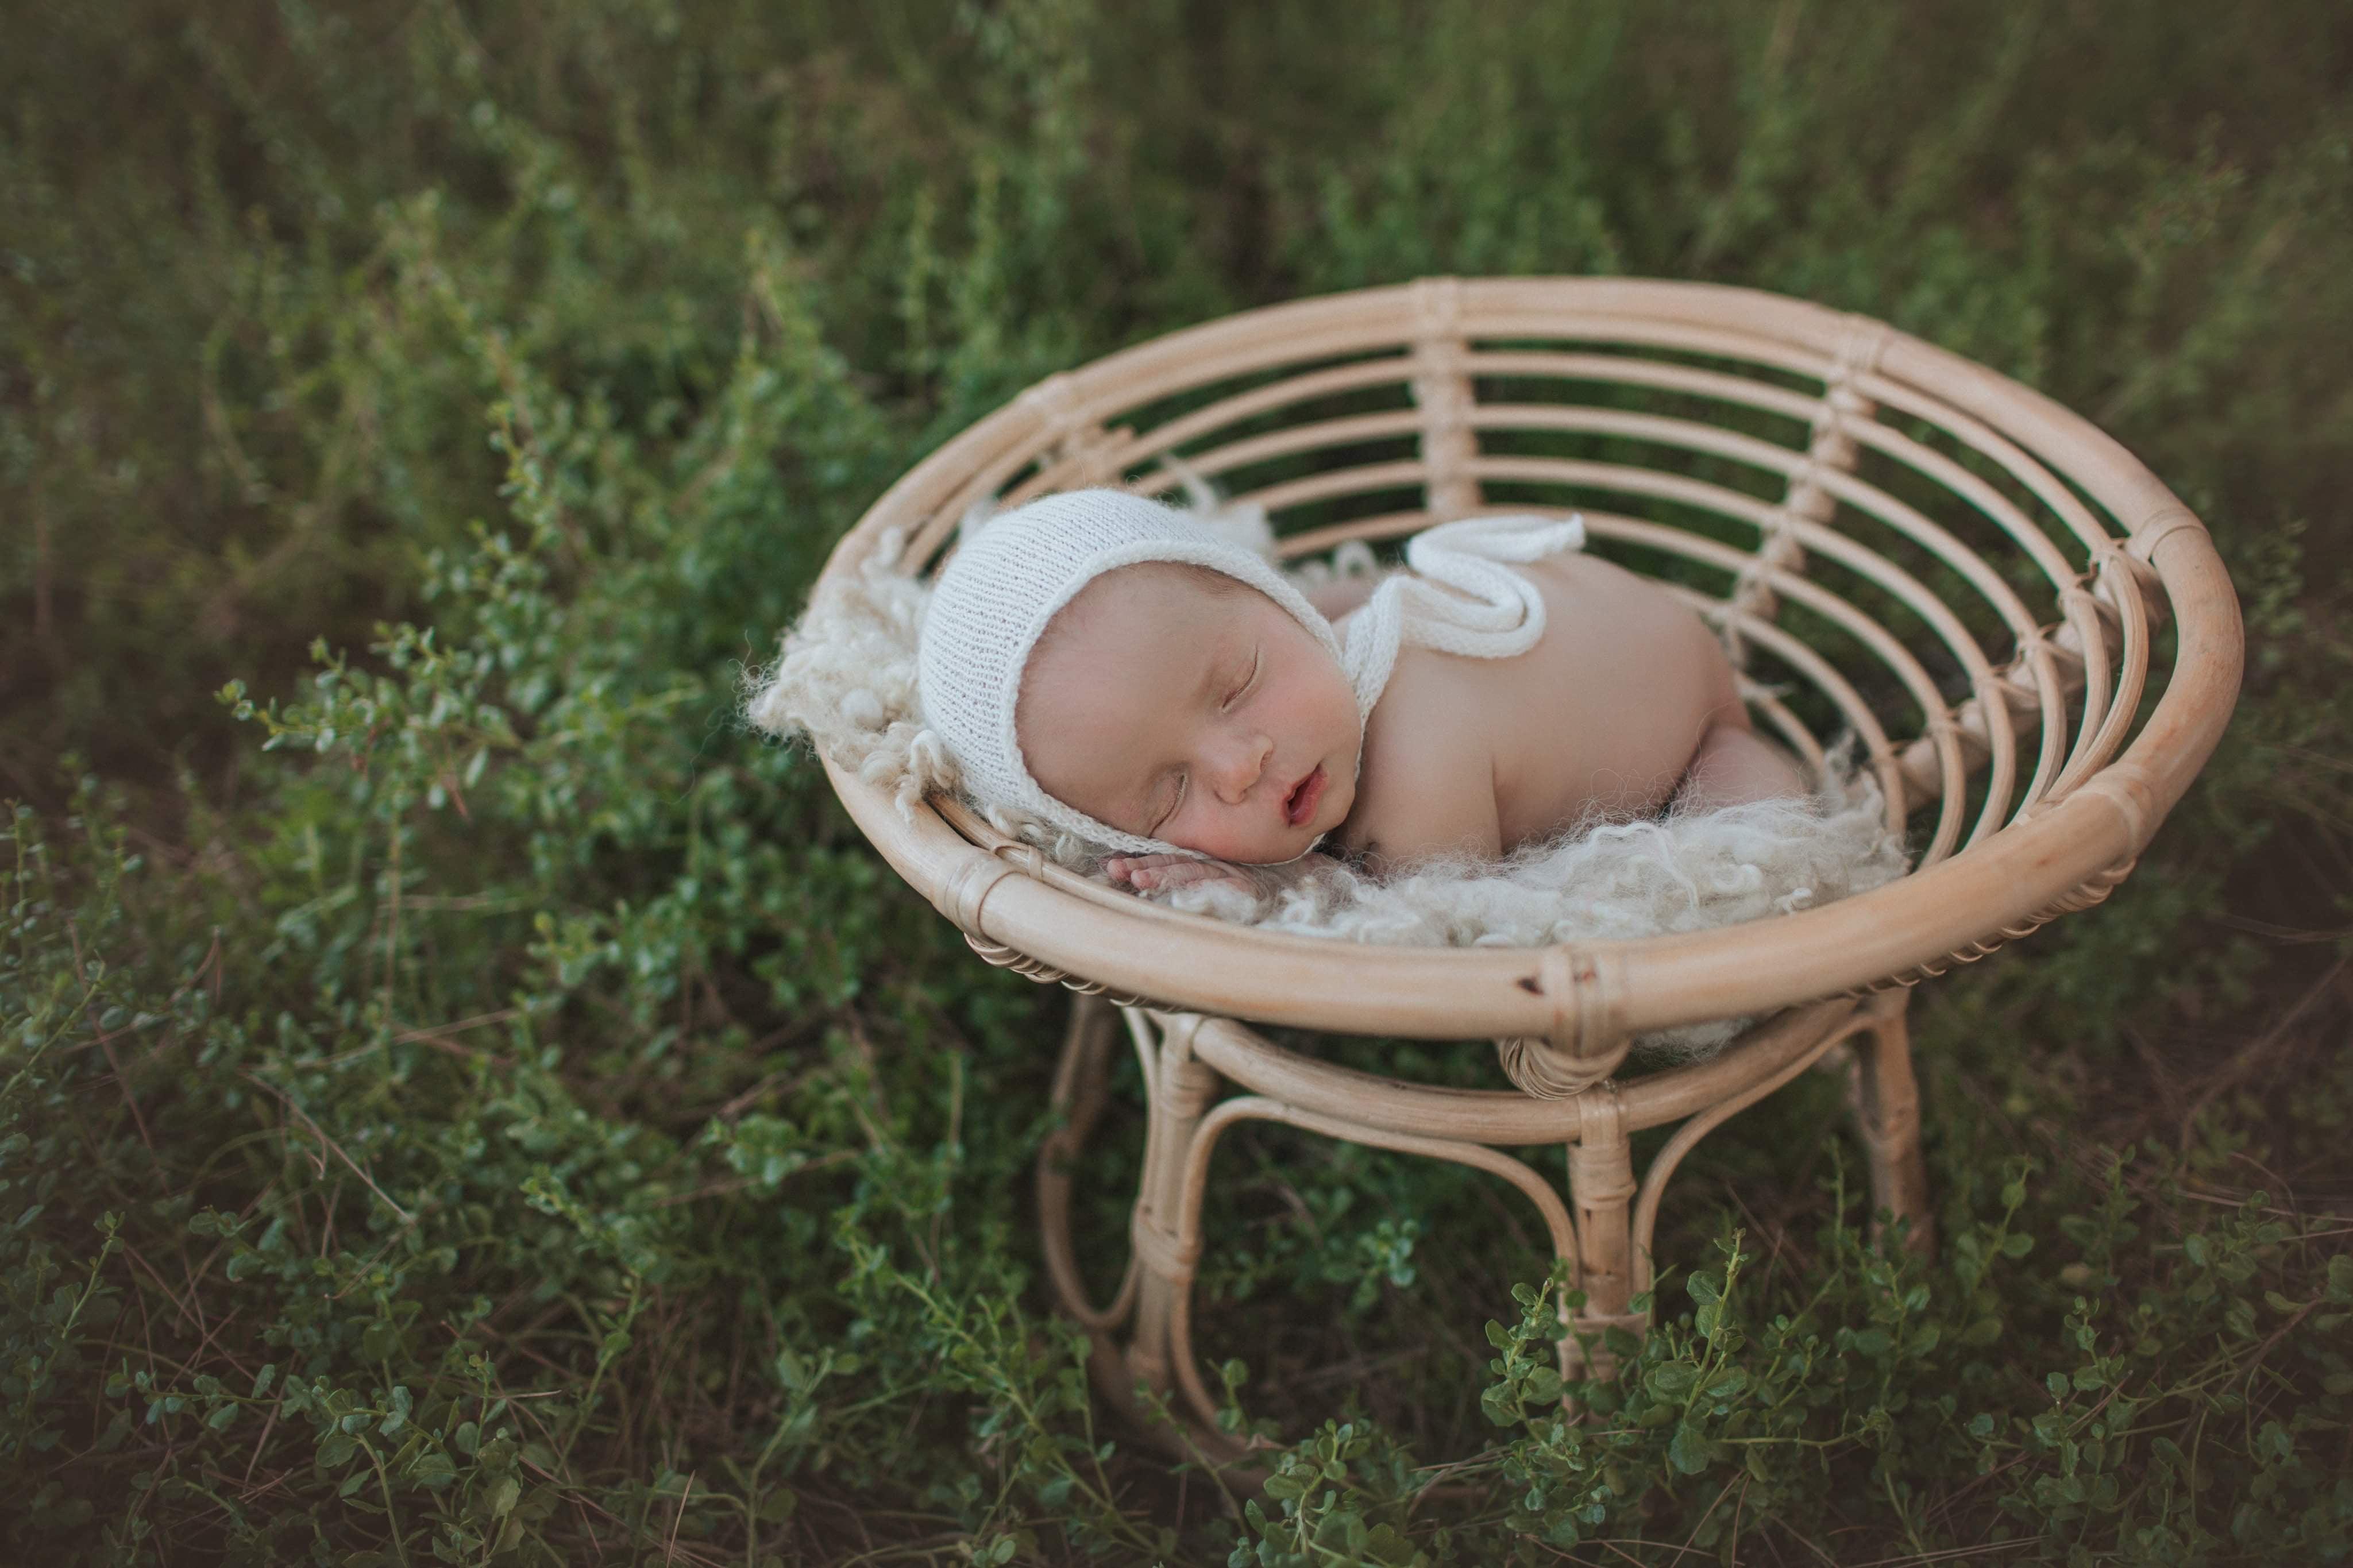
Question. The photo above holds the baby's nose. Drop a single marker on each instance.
(1241, 767)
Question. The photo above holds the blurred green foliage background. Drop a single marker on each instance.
(463, 1099)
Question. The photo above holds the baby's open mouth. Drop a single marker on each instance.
(1300, 805)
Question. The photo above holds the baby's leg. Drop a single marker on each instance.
(1735, 765)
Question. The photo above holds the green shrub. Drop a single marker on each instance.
(463, 1099)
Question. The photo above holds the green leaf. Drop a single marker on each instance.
(1687, 1451)
(1672, 1380)
(116, 1431)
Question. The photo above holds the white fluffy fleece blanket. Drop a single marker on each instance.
(847, 682)
(1680, 873)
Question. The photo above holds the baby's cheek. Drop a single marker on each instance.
(1298, 697)
(1333, 713)
(1218, 839)
(1185, 830)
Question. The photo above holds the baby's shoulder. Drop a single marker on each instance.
(1427, 782)
(1434, 704)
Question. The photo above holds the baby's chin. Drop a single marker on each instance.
(1270, 850)
(1248, 853)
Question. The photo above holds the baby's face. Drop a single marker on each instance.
(1193, 714)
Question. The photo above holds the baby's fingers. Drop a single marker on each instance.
(1134, 868)
(1187, 873)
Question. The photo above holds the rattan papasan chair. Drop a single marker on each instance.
(1975, 584)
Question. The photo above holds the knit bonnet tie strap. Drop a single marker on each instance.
(1461, 597)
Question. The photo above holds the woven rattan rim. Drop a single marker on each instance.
(2089, 806)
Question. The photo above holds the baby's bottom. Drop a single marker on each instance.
(1736, 765)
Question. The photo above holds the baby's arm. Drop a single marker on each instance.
(1426, 790)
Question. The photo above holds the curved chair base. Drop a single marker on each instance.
(1142, 1356)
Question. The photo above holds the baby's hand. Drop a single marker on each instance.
(1152, 873)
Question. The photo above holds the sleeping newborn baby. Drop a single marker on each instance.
(1115, 668)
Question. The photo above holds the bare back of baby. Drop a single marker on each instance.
(1626, 702)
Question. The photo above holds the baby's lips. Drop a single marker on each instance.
(1299, 802)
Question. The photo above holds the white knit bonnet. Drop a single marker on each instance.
(1012, 573)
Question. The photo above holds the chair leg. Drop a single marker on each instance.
(1165, 1259)
(1081, 1081)
(1141, 1336)
(1601, 1188)
(1886, 1099)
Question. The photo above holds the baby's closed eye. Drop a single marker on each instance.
(1248, 679)
(1167, 794)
